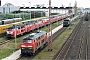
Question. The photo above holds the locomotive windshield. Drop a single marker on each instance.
(24, 41)
(66, 20)
(11, 28)
(29, 41)
(39, 21)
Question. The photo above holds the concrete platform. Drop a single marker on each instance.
(14, 56)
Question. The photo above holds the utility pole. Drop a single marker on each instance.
(62, 8)
(23, 11)
(75, 8)
(30, 10)
(69, 10)
(16, 46)
(50, 29)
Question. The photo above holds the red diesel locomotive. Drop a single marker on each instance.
(33, 42)
(15, 31)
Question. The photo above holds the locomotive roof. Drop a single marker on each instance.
(35, 35)
(13, 27)
(66, 19)
(39, 21)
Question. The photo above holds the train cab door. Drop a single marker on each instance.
(36, 43)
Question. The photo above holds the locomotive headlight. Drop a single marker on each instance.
(23, 46)
(9, 32)
(29, 46)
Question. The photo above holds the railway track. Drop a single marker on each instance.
(4, 41)
(55, 35)
(76, 46)
(84, 47)
(89, 42)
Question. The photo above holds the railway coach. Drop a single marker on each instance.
(39, 24)
(9, 21)
(29, 25)
(33, 42)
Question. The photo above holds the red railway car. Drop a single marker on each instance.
(40, 23)
(15, 31)
(29, 25)
(33, 42)
(46, 21)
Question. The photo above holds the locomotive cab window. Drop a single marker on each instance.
(29, 41)
(24, 41)
(18, 27)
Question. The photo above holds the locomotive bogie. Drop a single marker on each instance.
(26, 51)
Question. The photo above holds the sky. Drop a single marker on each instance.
(57, 3)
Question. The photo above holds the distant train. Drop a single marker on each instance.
(8, 21)
(66, 22)
(33, 42)
(86, 17)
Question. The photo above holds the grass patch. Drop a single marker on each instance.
(6, 50)
(46, 28)
(2, 38)
(57, 44)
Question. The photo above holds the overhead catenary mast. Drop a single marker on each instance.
(75, 8)
(50, 29)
